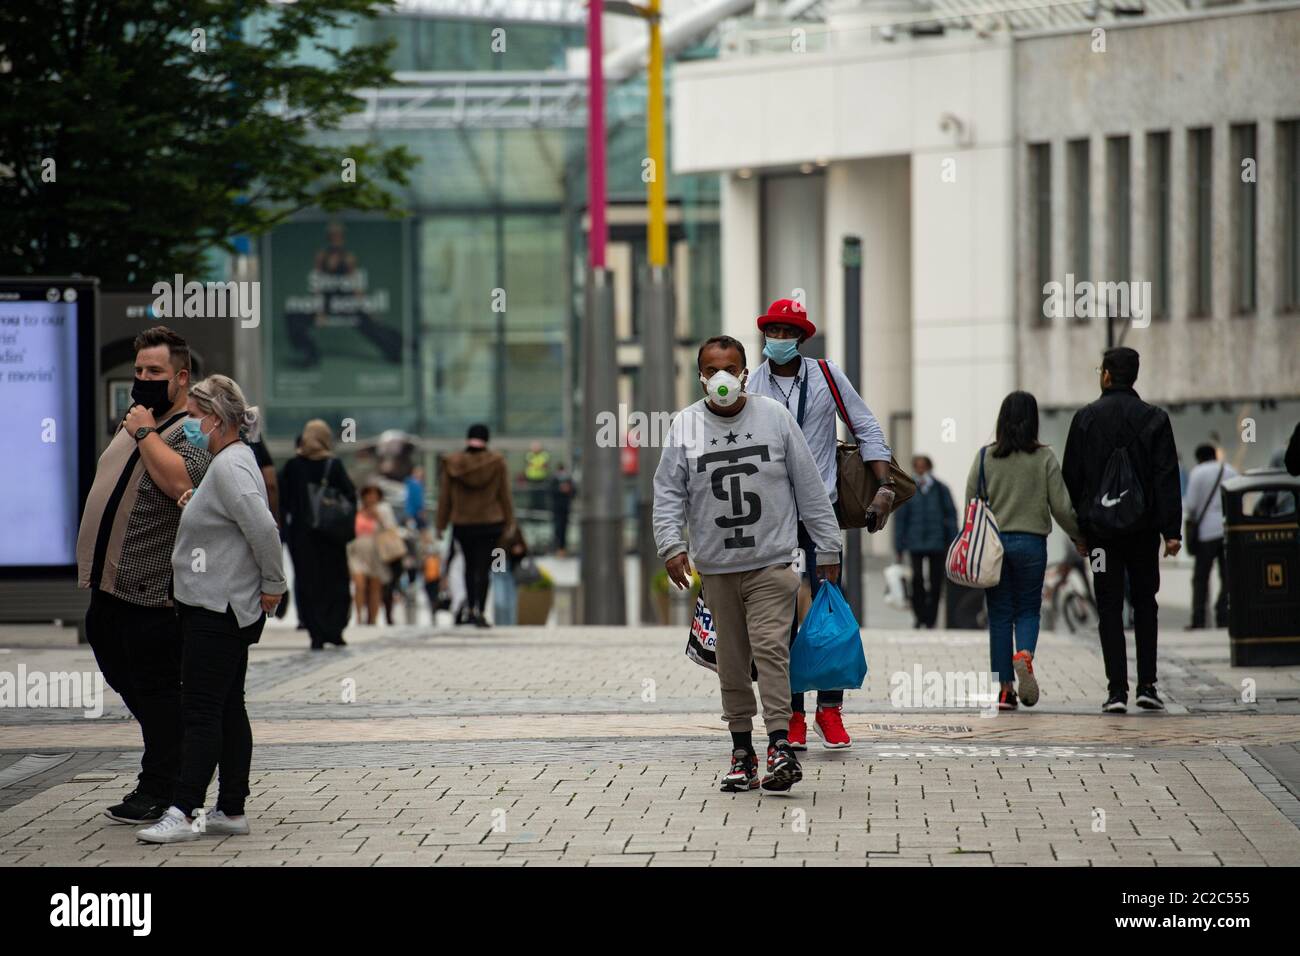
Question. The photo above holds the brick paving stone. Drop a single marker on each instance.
(559, 747)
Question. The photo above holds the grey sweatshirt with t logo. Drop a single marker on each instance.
(739, 483)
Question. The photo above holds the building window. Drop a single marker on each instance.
(1158, 210)
(1289, 140)
(1077, 176)
(1119, 209)
(1245, 169)
(1040, 176)
(1200, 269)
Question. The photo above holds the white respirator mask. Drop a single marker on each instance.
(723, 388)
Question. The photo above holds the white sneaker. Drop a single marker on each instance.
(172, 827)
(217, 823)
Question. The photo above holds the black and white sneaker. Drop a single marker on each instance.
(783, 770)
(137, 808)
(1116, 704)
(1148, 699)
(743, 775)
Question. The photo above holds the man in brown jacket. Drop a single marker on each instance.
(474, 496)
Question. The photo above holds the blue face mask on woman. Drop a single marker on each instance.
(193, 428)
(780, 351)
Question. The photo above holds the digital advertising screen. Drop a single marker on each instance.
(47, 383)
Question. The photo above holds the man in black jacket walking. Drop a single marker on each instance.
(1119, 419)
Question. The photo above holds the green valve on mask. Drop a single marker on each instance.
(722, 390)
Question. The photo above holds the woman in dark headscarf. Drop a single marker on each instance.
(320, 563)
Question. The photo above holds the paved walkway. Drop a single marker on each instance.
(584, 746)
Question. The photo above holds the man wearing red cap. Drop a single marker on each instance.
(805, 389)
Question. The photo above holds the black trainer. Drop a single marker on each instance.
(1007, 700)
(783, 770)
(743, 775)
(138, 808)
(1116, 704)
(1148, 699)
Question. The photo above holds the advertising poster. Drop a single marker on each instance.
(336, 297)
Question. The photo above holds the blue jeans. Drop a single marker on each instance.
(505, 598)
(1014, 604)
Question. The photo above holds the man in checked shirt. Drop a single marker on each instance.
(124, 547)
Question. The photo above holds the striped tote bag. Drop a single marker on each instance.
(975, 557)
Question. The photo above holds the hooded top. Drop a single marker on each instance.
(474, 489)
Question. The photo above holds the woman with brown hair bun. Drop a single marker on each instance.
(320, 560)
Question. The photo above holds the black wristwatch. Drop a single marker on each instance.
(143, 431)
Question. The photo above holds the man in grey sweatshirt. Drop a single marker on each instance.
(736, 475)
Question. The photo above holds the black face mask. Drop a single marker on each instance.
(152, 394)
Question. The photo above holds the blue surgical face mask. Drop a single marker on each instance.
(193, 428)
(780, 351)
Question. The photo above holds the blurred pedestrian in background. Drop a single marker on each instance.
(128, 529)
(474, 498)
(1121, 466)
(266, 464)
(1024, 489)
(320, 562)
(1203, 533)
(505, 587)
(228, 574)
(923, 530)
(537, 472)
(415, 498)
(371, 567)
(561, 504)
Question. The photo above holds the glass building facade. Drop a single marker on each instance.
(497, 248)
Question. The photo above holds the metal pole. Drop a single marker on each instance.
(656, 380)
(852, 259)
(656, 397)
(602, 499)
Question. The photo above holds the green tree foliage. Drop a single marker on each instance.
(162, 151)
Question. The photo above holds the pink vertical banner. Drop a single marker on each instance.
(596, 134)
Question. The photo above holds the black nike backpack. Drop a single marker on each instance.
(1120, 503)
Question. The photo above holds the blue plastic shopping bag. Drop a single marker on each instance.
(827, 651)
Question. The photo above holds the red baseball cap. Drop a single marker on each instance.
(787, 312)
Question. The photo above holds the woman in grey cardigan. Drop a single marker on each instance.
(227, 576)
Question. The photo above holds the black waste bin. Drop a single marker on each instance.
(1262, 552)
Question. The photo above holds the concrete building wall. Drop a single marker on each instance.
(917, 141)
(871, 199)
(1214, 71)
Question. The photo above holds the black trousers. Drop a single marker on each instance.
(138, 650)
(562, 528)
(477, 542)
(925, 600)
(1136, 556)
(217, 733)
(1206, 554)
(825, 698)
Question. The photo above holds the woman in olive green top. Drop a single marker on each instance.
(1024, 490)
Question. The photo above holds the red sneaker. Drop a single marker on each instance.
(1026, 682)
(830, 727)
(798, 732)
